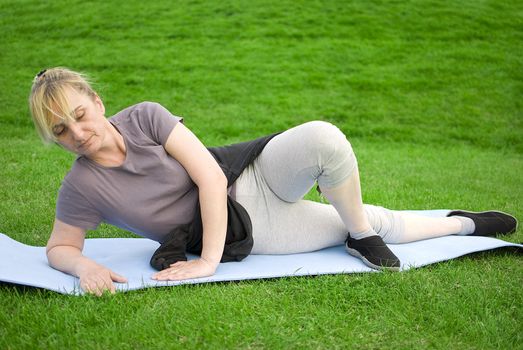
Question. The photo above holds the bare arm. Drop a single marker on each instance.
(64, 253)
(205, 172)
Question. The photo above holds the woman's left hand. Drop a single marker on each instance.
(182, 270)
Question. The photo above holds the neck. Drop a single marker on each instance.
(113, 151)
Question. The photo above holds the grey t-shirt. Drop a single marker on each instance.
(149, 194)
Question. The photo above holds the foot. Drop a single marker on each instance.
(373, 252)
(489, 223)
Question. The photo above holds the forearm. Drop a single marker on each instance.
(69, 259)
(213, 205)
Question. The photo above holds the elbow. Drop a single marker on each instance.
(221, 178)
(220, 181)
(215, 180)
(52, 250)
(51, 245)
(49, 254)
(218, 178)
(48, 250)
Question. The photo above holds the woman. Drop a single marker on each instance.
(144, 171)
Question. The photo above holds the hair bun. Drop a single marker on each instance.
(41, 73)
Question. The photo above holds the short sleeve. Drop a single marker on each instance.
(157, 121)
(74, 209)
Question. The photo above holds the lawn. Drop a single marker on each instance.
(428, 92)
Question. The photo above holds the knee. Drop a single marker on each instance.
(389, 224)
(325, 136)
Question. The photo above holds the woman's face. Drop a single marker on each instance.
(85, 135)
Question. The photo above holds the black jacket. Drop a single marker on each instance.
(233, 159)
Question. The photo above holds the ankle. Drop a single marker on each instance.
(363, 233)
(467, 225)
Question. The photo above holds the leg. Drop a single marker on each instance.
(281, 227)
(303, 226)
(272, 188)
(419, 227)
(318, 151)
(401, 227)
(347, 200)
(363, 241)
(293, 161)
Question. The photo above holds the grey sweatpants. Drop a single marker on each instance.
(272, 188)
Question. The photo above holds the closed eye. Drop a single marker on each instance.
(58, 130)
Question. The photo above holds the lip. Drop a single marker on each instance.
(86, 143)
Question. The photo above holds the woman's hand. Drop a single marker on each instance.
(185, 270)
(99, 279)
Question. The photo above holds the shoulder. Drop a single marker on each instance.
(74, 204)
(144, 111)
(146, 121)
(148, 108)
(79, 175)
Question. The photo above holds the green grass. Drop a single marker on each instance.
(429, 93)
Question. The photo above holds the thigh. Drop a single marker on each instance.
(292, 161)
(302, 226)
(281, 227)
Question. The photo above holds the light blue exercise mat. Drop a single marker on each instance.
(27, 265)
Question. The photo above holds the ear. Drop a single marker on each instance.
(99, 104)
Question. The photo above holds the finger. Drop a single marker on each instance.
(92, 288)
(118, 278)
(163, 276)
(181, 274)
(158, 274)
(168, 278)
(178, 263)
(100, 286)
(87, 288)
(169, 275)
(103, 284)
(165, 272)
(109, 286)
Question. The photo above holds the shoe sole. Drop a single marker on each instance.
(491, 211)
(357, 254)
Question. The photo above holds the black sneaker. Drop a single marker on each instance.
(373, 252)
(489, 223)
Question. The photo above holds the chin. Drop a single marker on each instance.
(90, 149)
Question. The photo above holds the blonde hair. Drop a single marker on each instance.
(48, 98)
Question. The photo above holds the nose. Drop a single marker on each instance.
(77, 132)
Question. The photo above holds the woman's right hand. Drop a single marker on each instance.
(64, 253)
(98, 279)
